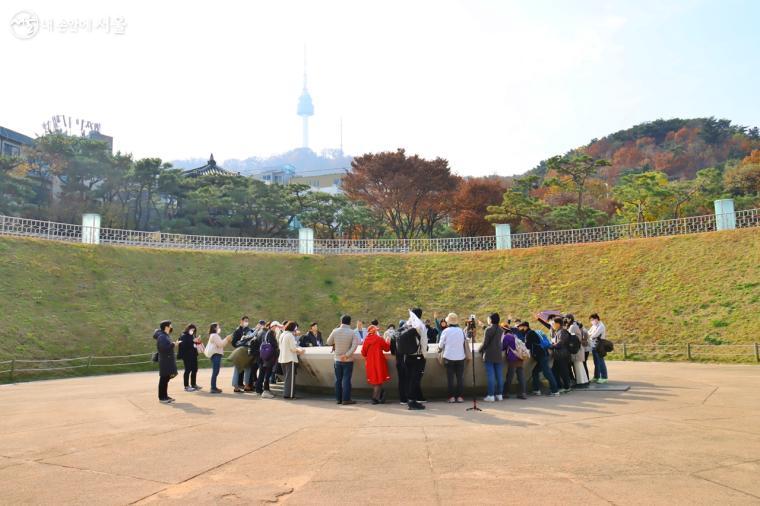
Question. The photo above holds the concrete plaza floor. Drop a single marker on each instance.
(683, 434)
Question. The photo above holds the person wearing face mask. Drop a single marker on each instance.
(188, 352)
(167, 364)
(215, 351)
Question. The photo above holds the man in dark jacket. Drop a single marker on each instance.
(561, 351)
(400, 367)
(240, 378)
(167, 364)
(541, 357)
(312, 338)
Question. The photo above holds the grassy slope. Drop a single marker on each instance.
(59, 300)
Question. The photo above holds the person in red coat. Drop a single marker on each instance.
(377, 367)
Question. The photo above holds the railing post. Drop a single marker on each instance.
(725, 216)
(91, 228)
(89, 361)
(13, 366)
(306, 241)
(625, 352)
(688, 351)
(757, 352)
(503, 236)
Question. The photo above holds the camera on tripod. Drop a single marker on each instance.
(470, 326)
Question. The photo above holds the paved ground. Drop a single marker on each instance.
(683, 433)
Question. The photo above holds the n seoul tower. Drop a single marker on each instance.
(305, 107)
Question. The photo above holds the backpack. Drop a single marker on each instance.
(543, 340)
(266, 350)
(408, 342)
(573, 344)
(520, 349)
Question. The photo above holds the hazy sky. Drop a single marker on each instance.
(493, 86)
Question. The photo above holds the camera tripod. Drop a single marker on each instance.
(471, 336)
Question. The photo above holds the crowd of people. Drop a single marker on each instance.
(269, 351)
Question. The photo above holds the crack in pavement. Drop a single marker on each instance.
(212, 468)
(430, 465)
(725, 486)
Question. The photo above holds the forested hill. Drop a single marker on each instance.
(677, 147)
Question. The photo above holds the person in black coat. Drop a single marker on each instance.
(561, 353)
(267, 364)
(311, 338)
(187, 351)
(167, 364)
(541, 357)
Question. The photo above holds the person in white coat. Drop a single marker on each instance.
(581, 378)
(289, 352)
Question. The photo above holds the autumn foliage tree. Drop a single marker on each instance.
(410, 193)
(470, 205)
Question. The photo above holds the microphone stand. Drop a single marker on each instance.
(471, 336)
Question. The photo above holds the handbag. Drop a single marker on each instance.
(200, 348)
(439, 355)
(467, 350)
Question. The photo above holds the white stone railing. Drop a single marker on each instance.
(90, 232)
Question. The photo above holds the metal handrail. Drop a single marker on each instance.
(25, 227)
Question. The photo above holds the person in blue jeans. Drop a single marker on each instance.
(595, 333)
(215, 351)
(343, 373)
(344, 341)
(541, 357)
(490, 350)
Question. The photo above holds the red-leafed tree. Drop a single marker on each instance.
(471, 203)
(412, 194)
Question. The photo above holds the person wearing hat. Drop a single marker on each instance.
(453, 343)
(490, 350)
(167, 363)
(376, 365)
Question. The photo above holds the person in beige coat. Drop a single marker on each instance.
(289, 352)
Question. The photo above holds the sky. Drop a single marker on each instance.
(492, 86)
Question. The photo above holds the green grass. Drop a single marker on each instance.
(62, 300)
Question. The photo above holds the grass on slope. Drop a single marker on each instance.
(62, 300)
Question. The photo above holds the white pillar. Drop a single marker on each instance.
(725, 216)
(503, 236)
(91, 228)
(306, 241)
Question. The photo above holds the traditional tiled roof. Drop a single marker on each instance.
(15, 136)
(210, 168)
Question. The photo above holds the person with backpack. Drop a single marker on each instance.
(288, 359)
(167, 364)
(575, 347)
(187, 350)
(215, 351)
(561, 353)
(268, 353)
(597, 334)
(376, 365)
(400, 367)
(454, 343)
(239, 336)
(344, 341)
(516, 353)
(538, 346)
(411, 345)
(490, 351)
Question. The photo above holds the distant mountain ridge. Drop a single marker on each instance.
(306, 162)
(678, 147)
